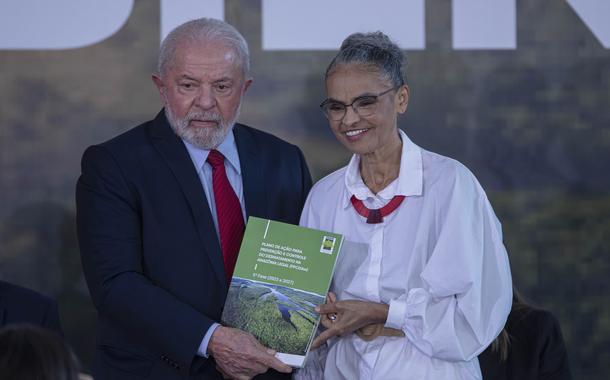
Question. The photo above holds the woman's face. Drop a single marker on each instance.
(372, 133)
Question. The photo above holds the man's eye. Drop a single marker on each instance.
(187, 86)
(222, 87)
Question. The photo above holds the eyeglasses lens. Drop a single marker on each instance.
(364, 106)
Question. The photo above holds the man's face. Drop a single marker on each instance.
(201, 90)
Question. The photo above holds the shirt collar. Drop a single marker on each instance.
(410, 176)
(227, 147)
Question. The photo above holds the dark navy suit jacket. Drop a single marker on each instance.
(149, 248)
(21, 305)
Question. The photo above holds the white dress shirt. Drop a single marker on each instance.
(438, 261)
(199, 156)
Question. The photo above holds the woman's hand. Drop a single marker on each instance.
(343, 317)
(327, 319)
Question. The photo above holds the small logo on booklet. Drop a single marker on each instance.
(328, 244)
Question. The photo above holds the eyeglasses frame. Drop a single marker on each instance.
(376, 96)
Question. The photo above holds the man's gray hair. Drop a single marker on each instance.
(375, 51)
(203, 29)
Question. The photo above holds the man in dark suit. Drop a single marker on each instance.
(161, 210)
(21, 305)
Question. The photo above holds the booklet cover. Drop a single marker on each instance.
(283, 272)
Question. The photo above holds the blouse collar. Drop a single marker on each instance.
(408, 183)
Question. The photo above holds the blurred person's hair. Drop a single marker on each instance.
(29, 352)
(520, 307)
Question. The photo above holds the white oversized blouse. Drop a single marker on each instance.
(438, 261)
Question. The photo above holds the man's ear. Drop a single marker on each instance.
(247, 84)
(160, 86)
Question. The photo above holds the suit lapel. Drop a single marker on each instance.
(175, 154)
(252, 170)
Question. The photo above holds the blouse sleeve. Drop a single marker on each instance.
(467, 291)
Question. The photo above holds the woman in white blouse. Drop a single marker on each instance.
(423, 284)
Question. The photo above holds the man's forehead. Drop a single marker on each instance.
(208, 56)
(205, 49)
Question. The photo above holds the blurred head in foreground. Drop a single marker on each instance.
(29, 352)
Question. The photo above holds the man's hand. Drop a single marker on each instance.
(240, 356)
(343, 317)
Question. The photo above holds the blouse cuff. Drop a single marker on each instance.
(401, 310)
(396, 314)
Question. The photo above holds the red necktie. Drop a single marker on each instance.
(376, 215)
(228, 212)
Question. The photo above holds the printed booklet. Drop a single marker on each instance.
(283, 272)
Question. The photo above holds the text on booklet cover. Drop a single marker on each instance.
(283, 272)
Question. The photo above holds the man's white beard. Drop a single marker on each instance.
(204, 138)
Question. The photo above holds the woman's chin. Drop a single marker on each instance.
(360, 146)
(360, 149)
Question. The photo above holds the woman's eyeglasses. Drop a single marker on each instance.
(364, 106)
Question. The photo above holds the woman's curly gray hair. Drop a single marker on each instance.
(372, 50)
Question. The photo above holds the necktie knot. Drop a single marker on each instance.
(216, 159)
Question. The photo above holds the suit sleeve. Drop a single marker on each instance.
(109, 232)
(306, 182)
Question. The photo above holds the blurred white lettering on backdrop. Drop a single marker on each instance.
(286, 24)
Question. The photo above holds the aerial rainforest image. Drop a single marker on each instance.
(279, 317)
